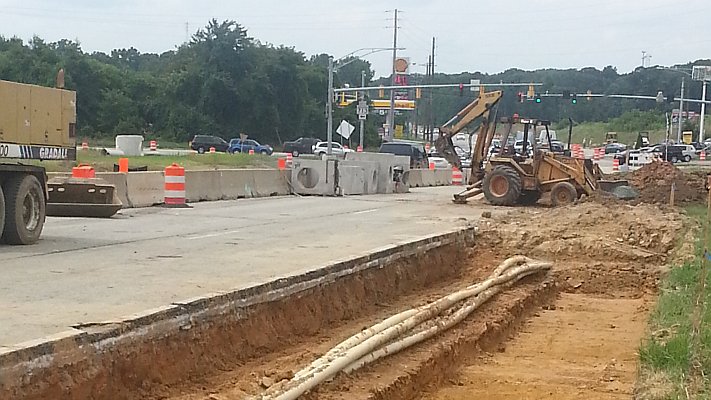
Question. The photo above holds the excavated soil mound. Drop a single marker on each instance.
(596, 248)
(654, 182)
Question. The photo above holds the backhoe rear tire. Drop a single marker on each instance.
(529, 197)
(563, 193)
(502, 187)
(25, 210)
(2, 211)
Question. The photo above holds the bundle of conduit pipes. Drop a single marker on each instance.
(404, 329)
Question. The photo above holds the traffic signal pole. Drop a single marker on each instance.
(681, 112)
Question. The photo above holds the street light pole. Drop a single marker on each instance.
(362, 97)
(332, 68)
(391, 112)
(681, 111)
(329, 108)
(703, 113)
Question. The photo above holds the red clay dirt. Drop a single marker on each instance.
(654, 182)
(608, 259)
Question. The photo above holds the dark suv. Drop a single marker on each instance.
(416, 152)
(673, 153)
(202, 143)
(303, 145)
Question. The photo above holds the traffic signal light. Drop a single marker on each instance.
(418, 93)
(538, 98)
(461, 89)
(381, 92)
(574, 99)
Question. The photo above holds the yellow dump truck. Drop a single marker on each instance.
(38, 123)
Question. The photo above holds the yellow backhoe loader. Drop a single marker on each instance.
(519, 175)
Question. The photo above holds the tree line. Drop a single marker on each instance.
(224, 82)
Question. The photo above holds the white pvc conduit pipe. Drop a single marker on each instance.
(367, 346)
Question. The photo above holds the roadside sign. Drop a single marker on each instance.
(475, 83)
(345, 129)
(362, 109)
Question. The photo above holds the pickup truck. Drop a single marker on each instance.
(301, 145)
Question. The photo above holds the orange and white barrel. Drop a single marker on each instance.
(457, 178)
(289, 160)
(153, 145)
(212, 150)
(251, 152)
(702, 156)
(432, 166)
(359, 149)
(85, 145)
(427, 147)
(615, 164)
(174, 185)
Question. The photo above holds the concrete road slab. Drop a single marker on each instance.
(86, 271)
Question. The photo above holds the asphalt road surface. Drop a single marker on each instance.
(96, 270)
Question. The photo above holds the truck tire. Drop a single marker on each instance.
(502, 187)
(2, 211)
(529, 197)
(563, 193)
(25, 210)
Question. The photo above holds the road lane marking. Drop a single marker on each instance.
(211, 235)
(366, 211)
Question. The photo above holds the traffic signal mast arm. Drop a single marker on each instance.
(434, 86)
(479, 108)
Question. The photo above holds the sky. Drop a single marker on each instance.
(471, 35)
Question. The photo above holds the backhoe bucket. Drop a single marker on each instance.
(80, 197)
(609, 186)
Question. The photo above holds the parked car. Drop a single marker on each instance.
(612, 148)
(689, 152)
(302, 145)
(416, 152)
(240, 146)
(673, 153)
(203, 143)
(465, 158)
(321, 148)
(439, 161)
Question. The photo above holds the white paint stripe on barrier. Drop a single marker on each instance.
(174, 179)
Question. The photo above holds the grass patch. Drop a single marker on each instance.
(671, 351)
(103, 163)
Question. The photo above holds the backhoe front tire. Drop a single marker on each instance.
(563, 193)
(25, 210)
(502, 187)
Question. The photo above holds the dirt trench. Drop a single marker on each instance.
(586, 317)
(608, 259)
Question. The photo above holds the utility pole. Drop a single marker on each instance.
(681, 111)
(703, 112)
(362, 98)
(431, 99)
(329, 108)
(391, 113)
(645, 58)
